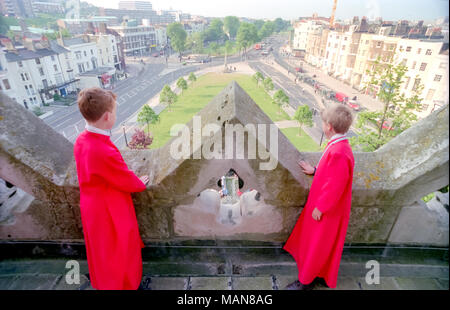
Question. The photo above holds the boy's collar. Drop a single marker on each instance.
(337, 136)
(93, 129)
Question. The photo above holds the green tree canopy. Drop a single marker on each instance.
(304, 116)
(280, 24)
(177, 35)
(266, 30)
(280, 98)
(147, 116)
(214, 32)
(258, 77)
(379, 127)
(268, 84)
(231, 26)
(182, 84)
(192, 77)
(246, 36)
(167, 96)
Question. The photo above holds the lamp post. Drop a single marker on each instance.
(124, 134)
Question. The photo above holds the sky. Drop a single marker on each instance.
(292, 9)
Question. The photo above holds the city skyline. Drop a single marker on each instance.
(290, 9)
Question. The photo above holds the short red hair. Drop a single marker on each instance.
(93, 102)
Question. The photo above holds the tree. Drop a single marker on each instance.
(147, 116)
(182, 84)
(268, 84)
(192, 77)
(266, 30)
(215, 30)
(195, 42)
(304, 116)
(167, 96)
(231, 26)
(140, 140)
(246, 36)
(258, 77)
(214, 47)
(280, 98)
(280, 24)
(397, 115)
(228, 49)
(177, 35)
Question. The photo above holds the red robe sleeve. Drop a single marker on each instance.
(114, 170)
(337, 176)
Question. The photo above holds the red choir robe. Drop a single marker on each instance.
(110, 227)
(317, 246)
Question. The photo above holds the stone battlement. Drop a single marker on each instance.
(177, 203)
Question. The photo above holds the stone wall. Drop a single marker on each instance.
(181, 201)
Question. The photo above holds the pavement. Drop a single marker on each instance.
(51, 275)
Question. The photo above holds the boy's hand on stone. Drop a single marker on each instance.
(307, 168)
(316, 214)
(145, 179)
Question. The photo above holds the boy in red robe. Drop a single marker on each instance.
(317, 240)
(110, 228)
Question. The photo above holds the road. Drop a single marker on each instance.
(132, 94)
(135, 91)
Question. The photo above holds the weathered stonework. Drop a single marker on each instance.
(40, 161)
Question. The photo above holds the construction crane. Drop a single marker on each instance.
(333, 11)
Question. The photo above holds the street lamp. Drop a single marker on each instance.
(124, 134)
(320, 144)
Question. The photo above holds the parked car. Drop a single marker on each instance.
(155, 54)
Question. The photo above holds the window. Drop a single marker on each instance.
(428, 52)
(408, 49)
(437, 78)
(335, 46)
(41, 71)
(430, 94)
(22, 76)
(442, 65)
(20, 64)
(367, 41)
(379, 44)
(53, 58)
(345, 39)
(403, 63)
(414, 65)
(85, 54)
(423, 66)
(419, 50)
(56, 68)
(92, 52)
(31, 89)
(28, 91)
(66, 55)
(38, 61)
(100, 51)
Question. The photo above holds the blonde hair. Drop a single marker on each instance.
(95, 101)
(339, 116)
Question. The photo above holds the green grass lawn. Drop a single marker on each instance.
(199, 94)
(303, 143)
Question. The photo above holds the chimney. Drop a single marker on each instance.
(102, 28)
(29, 44)
(9, 45)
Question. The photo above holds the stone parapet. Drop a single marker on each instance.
(176, 206)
